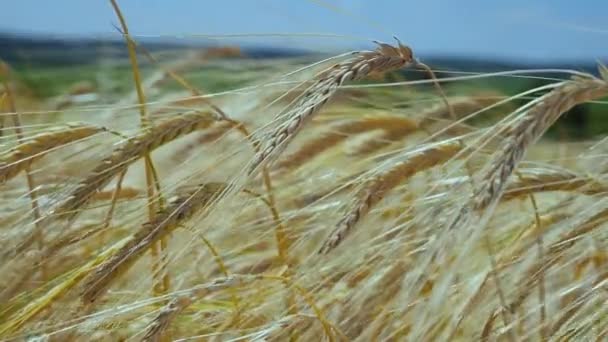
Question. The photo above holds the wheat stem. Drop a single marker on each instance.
(33, 192)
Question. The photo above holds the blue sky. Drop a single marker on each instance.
(527, 30)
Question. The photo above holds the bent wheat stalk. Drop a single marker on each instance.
(182, 208)
(460, 105)
(374, 190)
(384, 59)
(128, 153)
(33, 191)
(20, 157)
(524, 133)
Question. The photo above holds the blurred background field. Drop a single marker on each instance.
(69, 71)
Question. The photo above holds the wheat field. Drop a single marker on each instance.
(313, 199)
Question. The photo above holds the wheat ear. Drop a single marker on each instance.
(392, 126)
(384, 59)
(131, 151)
(183, 207)
(20, 157)
(527, 130)
(374, 190)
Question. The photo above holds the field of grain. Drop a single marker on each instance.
(206, 195)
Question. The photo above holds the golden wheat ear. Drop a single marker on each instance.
(385, 59)
(134, 149)
(526, 131)
(20, 157)
(184, 206)
(374, 190)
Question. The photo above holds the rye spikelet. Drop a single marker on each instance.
(374, 190)
(128, 153)
(20, 157)
(384, 59)
(392, 127)
(177, 212)
(528, 129)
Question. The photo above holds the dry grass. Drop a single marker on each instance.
(431, 226)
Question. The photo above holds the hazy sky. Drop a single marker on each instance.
(526, 29)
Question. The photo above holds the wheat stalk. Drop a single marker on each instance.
(33, 191)
(20, 157)
(134, 149)
(386, 58)
(183, 207)
(535, 180)
(374, 190)
(460, 106)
